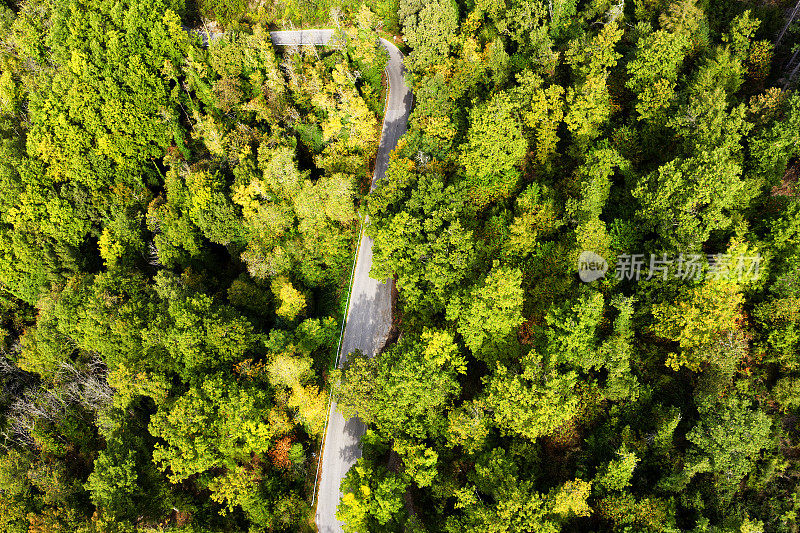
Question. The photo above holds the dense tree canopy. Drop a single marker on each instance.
(178, 221)
(661, 136)
(176, 227)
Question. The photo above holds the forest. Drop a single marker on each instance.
(177, 226)
(177, 230)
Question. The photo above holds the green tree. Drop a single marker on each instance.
(653, 73)
(537, 218)
(292, 302)
(494, 148)
(699, 321)
(588, 101)
(532, 402)
(493, 311)
(415, 219)
(688, 199)
(617, 474)
(429, 28)
(727, 442)
(687, 18)
(372, 498)
(124, 482)
(407, 389)
(541, 111)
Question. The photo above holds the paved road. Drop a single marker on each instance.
(369, 314)
(301, 37)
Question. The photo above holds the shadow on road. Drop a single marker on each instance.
(353, 428)
(370, 314)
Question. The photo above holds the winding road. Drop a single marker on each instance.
(369, 314)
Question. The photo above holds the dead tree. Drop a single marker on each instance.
(793, 14)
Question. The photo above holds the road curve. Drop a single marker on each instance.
(369, 314)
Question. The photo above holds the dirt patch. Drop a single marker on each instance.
(788, 185)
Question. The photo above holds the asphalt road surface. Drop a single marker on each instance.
(369, 314)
